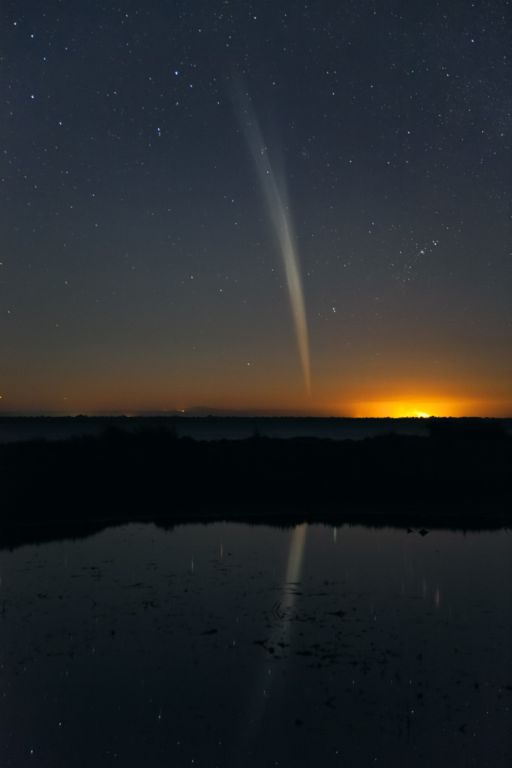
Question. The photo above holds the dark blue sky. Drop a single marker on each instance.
(139, 266)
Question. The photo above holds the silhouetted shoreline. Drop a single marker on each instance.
(459, 477)
(222, 426)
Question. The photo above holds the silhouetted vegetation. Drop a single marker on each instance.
(460, 475)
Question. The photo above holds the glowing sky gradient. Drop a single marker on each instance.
(142, 267)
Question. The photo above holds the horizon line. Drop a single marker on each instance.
(201, 413)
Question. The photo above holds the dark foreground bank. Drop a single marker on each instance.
(459, 476)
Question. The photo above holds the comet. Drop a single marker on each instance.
(275, 195)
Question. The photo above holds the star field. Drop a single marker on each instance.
(138, 268)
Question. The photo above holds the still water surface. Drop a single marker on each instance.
(231, 645)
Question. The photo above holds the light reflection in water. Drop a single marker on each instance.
(365, 650)
(282, 613)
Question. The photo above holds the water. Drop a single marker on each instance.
(231, 645)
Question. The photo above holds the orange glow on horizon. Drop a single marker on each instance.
(251, 391)
(424, 408)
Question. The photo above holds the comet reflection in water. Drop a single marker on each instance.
(295, 556)
(274, 192)
(282, 612)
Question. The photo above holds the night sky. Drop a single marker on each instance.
(141, 265)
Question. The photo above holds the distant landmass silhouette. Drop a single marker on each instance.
(217, 427)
